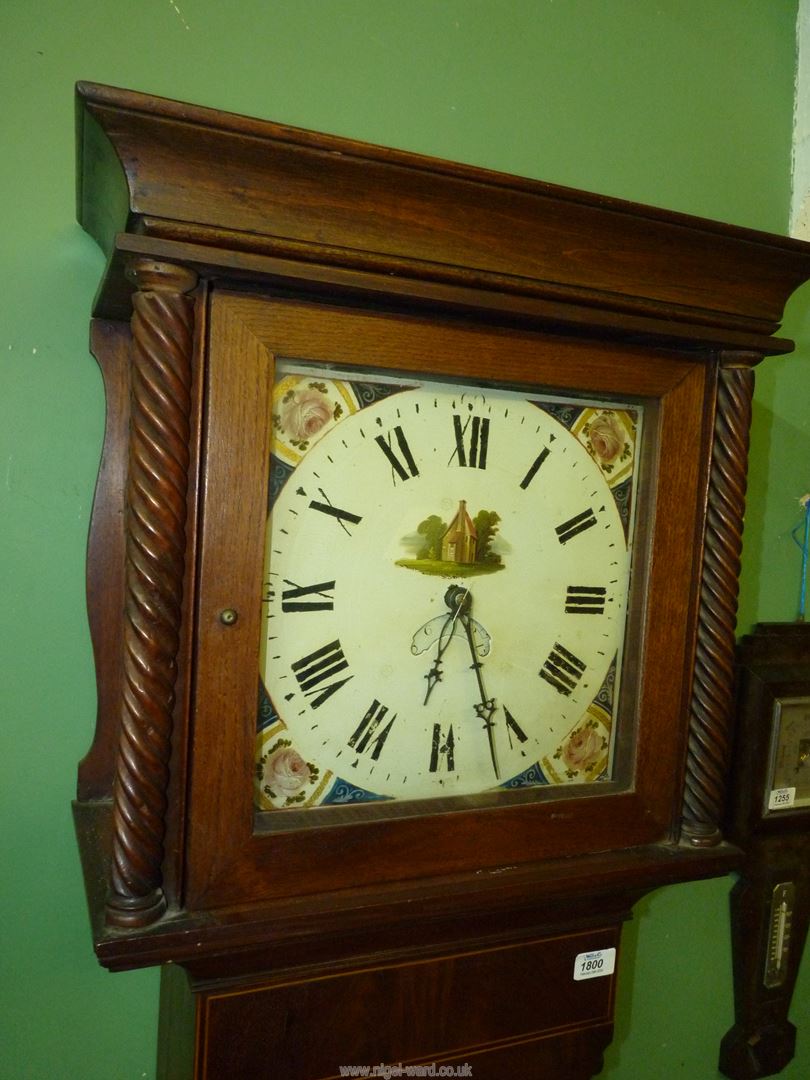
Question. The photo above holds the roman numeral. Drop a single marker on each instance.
(291, 599)
(472, 441)
(314, 671)
(575, 525)
(513, 726)
(405, 468)
(341, 516)
(585, 600)
(535, 465)
(371, 729)
(441, 750)
(562, 670)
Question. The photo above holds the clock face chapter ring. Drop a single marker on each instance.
(445, 591)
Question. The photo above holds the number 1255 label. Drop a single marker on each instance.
(593, 965)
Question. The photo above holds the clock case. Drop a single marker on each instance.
(230, 241)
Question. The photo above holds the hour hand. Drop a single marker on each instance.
(442, 629)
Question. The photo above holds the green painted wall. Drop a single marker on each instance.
(682, 103)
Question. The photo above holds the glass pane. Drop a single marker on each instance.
(446, 586)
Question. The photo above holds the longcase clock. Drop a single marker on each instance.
(412, 582)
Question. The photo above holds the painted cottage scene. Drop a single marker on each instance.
(460, 542)
(461, 548)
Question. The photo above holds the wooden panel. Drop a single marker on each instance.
(574, 1055)
(399, 920)
(105, 558)
(461, 294)
(486, 1008)
(454, 348)
(202, 176)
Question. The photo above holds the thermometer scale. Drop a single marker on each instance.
(779, 934)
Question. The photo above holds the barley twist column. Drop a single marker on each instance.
(712, 691)
(162, 343)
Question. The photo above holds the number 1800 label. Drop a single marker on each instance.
(593, 965)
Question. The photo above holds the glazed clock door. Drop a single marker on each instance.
(424, 540)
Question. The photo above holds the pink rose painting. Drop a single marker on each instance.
(582, 749)
(284, 774)
(607, 438)
(304, 411)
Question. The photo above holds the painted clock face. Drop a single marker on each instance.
(446, 585)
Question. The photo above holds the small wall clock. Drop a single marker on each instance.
(769, 816)
(412, 580)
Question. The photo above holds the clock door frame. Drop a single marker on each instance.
(227, 853)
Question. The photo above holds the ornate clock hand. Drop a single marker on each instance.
(430, 632)
(456, 598)
(486, 707)
(435, 673)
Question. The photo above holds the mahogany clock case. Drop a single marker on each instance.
(234, 244)
(375, 270)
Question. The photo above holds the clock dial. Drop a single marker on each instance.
(445, 595)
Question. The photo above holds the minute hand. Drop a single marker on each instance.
(486, 707)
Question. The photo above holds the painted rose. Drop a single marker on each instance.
(607, 437)
(583, 749)
(286, 772)
(304, 413)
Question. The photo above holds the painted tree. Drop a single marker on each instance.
(433, 529)
(486, 525)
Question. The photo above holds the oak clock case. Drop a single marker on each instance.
(412, 577)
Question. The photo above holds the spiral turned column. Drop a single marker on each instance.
(713, 686)
(162, 344)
